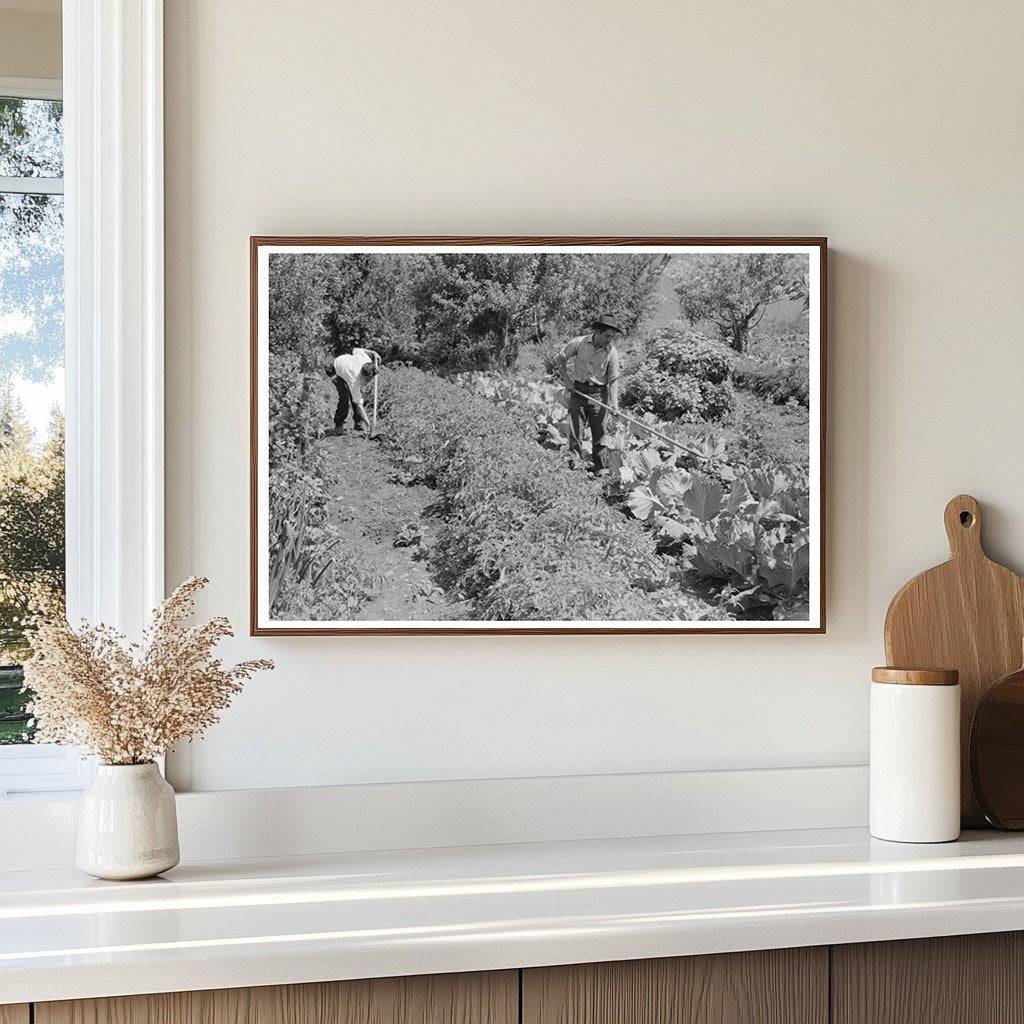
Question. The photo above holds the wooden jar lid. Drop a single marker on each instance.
(916, 676)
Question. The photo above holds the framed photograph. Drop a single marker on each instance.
(537, 435)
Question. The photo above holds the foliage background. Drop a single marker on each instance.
(31, 548)
(31, 392)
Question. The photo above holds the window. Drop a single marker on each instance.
(31, 383)
(32, 514)
(86, 180)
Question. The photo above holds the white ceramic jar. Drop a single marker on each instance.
(915, 755)
(127, 824)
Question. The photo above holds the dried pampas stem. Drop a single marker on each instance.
(129, 703)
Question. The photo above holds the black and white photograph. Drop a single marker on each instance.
(537, 435)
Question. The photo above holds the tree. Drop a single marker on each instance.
(472, 310)
(733, 291)
(31, 526)
(476, 310)
(31, 145)
(578, 287)
(368, 304)
(31, 241)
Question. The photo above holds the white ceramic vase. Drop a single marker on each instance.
(127, 825)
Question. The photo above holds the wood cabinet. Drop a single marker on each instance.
(776, 986)
(971, 979)
(491, 998)
(962, 979)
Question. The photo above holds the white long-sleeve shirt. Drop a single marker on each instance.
(349, 368)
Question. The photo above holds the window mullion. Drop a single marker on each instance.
(32, 186)
(113, 114)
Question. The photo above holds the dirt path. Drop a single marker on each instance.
(383, 521)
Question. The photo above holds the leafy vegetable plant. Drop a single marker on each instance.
(738, 531)
(523, 536)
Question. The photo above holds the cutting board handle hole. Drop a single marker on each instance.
(962, 517)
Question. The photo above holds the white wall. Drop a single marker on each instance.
(895, 129)
(30, 39)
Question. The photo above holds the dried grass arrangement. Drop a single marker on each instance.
(129, 703)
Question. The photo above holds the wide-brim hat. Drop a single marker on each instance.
(607, 320)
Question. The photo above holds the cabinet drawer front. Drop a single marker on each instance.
(14, 1013)
(778, 986)
(962, 979)
(490, 998)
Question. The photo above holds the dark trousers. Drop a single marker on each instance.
(345, 400)
(583, 412)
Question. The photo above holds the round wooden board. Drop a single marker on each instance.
(997, 753)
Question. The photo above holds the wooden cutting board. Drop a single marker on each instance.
(967, 614)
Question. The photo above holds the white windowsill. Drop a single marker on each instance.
(42, 771)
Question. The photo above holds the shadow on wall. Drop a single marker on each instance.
(853, 287)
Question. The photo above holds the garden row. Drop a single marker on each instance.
(312, 575)
(737, 530)
(524, 537)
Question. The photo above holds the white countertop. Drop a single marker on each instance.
(261, 922)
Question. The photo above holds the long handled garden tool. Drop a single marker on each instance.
(376, 377)
(643, 426)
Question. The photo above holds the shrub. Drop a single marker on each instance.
(685, 377)
(768, 435)
(524, 536)
(683, 350)
(777, 384)
(663, 394)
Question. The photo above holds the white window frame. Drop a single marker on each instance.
(114, 325)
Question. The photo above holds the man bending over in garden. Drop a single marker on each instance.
(589, 367)
(348, 371)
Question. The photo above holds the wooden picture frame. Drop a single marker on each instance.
(262, 623)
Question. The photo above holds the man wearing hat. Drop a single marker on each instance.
(589, 367)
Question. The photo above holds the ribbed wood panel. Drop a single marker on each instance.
(963, 979)
(779, 986)
(490, 998)
(14, 1013)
